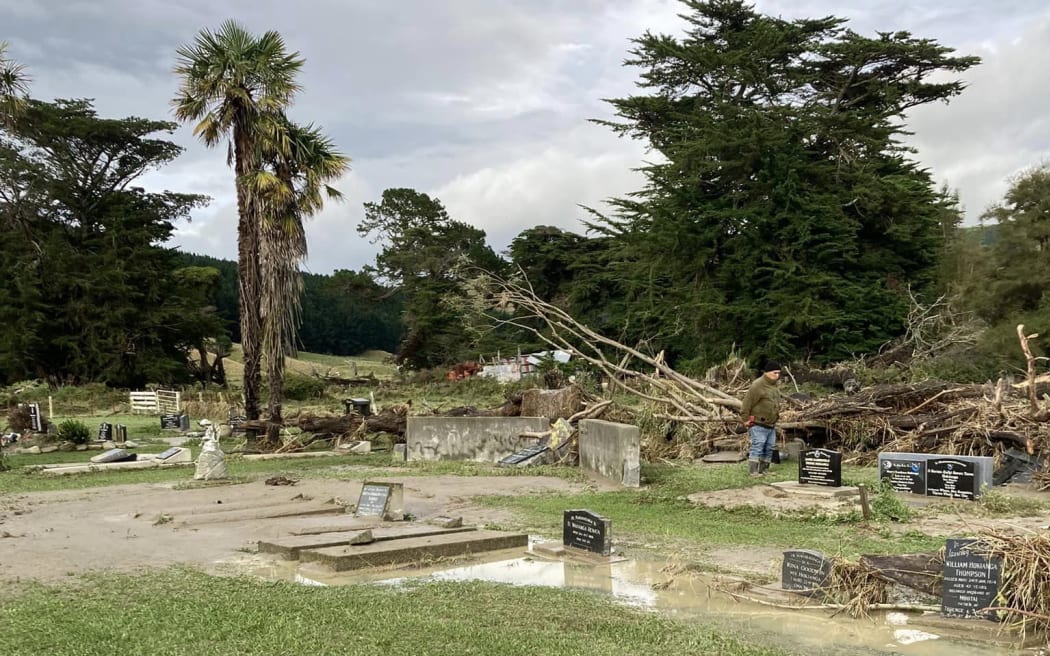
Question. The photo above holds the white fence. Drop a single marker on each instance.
(158, 402)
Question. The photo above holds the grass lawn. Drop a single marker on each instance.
(181, 611)
(659, 515)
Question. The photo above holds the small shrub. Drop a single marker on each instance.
(302, 388)
(995, 502)
(886, 504)
(74, 431)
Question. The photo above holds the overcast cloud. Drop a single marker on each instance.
(484, 103)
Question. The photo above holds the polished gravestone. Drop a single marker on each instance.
(170, 422)
(956, 477)
(113, 455)
(971, 581)
(904, 474)
(820, 467)
(805, 571)
(105, 431)
(952, 478)
(586, 530)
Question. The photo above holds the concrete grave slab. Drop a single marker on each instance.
(795, 488)
(289, 548)
(412, 549)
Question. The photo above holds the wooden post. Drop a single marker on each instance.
(50, 408)
(865, 509)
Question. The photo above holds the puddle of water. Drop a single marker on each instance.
(690, 596)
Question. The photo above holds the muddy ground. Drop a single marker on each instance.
(51, 535)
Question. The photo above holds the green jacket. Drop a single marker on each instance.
(762, 401)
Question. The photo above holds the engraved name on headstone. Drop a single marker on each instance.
(820, 467)
(586, 530)
(170, 422)
(904, 474)
(971, 581)
(105, 431)
(805, 571)
(951, 477)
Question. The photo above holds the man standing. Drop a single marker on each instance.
(759, 411)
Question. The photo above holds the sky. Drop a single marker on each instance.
(485, 103)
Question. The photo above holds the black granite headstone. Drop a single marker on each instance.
(904, 475)
(820, 467)
(583, 529)
(971, 581)
(105, 431)
(948, 477)
(373, 500)
(170, 422)
(34, 418)
(805, 571)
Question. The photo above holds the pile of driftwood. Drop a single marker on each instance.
(929, 417)
(933, 416)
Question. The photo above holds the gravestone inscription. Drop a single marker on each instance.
(905, 474)
(949, 477)
(105, 431)
(820, 467)
(170, 422)
(373, 500)
(586, 530)
(35, 421)
(805, 571)
(971, 581)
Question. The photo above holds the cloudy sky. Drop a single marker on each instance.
(484, 103)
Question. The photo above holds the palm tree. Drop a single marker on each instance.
(14, 87)
(233, 84)
(291, 186)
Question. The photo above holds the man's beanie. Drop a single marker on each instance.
(771, 365)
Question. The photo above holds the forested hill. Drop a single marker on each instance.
(342, 314)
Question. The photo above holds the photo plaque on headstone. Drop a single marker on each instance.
(805, 571)
(373, 500)
(952, 478)
(904, 475)
(971, 581)
(586, 530)
(820, 467)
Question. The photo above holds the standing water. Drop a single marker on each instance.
(691, 596)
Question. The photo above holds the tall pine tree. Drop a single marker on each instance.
(781, 214)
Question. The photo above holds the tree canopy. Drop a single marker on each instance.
(781, 213)
(88, 284)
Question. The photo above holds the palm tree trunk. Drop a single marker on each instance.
(248, 277)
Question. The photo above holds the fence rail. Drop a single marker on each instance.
(158, 402)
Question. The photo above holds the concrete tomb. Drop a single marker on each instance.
(480, 439)
(611, 450)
